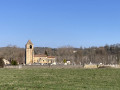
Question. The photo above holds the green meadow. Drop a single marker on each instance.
(59, 79)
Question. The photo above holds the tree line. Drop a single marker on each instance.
(13, 53)
(108, 54)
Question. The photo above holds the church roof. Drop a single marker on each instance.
(50, 57)
(29, 42)
(40, 55)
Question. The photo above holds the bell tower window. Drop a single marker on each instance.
(30, 46)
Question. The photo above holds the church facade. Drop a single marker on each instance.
(31, 58)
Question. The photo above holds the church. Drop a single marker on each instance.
(31, 58)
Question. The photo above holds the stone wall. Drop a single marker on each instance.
(90, 66)
(15, 67)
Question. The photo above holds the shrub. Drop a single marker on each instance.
(14, 62)
(1, 63)
(64, 60)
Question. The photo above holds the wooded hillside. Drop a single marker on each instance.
(109, 54)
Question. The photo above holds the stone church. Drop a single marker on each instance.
(31, 58)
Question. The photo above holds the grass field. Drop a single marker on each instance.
(59, 79)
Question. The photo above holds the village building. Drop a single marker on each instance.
(6, 62)
(31, 58)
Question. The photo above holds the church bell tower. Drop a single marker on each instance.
(29, 53)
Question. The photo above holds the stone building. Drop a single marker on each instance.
(30, 58)
(6, 62)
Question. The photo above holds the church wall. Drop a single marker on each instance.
(31, 58)
(43, 60)
(51, 60)
(39, 59)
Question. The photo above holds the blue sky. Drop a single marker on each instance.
(55, 23)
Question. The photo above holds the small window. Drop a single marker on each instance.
(30, 46)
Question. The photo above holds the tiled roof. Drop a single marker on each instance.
(50, 57)
(39, 55)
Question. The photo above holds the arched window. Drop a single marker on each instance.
(30, 46)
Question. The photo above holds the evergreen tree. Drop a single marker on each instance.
(13, 62)
(46, 53)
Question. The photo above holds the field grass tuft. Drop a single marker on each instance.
(59, 79)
